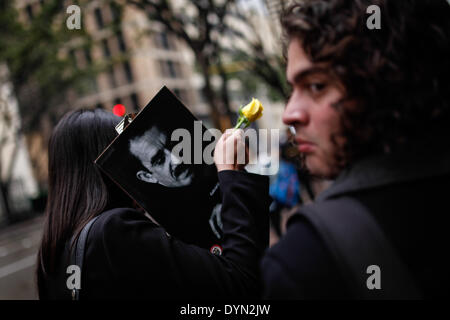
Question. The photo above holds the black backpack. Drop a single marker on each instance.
(356, 241)
(77, 255)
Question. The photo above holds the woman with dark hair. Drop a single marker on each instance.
(126, 254)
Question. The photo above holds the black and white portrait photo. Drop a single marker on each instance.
(161, 165)
(179, 195)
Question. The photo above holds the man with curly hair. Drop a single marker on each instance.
(371, 109)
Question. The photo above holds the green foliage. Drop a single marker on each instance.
(40, 68)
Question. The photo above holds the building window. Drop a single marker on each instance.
(99, 18)
(134, 100)
(182, 95)
(121, 42)
(73, 57)
(162, 41)
(128, 72)
(172, 69)
(169, 68)
(106, 51)
(87, 56)
(29, 11)
(177, 93)
(115, 11)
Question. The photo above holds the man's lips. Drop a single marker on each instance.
(304, 145)
(301, 140)
(180, 170)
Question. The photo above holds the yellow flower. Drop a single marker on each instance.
(253, 110)
(249, 113)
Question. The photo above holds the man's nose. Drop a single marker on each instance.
(168, 164)
(174, 159)
(295, 113)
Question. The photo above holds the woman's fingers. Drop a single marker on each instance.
(239, 154)
(220, 152)
(232, 146)
(230, 153)
(227, 134)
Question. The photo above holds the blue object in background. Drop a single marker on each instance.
(286, 188)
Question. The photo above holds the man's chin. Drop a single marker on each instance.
(179, 183)
(319, 169)
(187, 180)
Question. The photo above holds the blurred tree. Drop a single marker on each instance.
(45, 80)
(5, 178)
(259, 51)
(200, 24)
(39, 72)
(226, 42)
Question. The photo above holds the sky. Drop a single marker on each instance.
(255, 4)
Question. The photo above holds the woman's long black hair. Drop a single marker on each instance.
(77, 189)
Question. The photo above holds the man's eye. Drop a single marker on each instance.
(316, 87)
(159, 158)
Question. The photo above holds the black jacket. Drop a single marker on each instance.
(406, 198)
(128, 256)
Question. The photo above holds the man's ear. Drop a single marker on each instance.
(146, 176)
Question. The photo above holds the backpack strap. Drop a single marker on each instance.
(356, 242)
(77, 255)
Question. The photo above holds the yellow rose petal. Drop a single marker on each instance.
(253, 110)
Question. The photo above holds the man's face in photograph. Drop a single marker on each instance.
(162, 166)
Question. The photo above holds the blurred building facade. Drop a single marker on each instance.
(147, 59)
(16, 174)
(142, 58)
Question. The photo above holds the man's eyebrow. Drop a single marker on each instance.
(308, 72)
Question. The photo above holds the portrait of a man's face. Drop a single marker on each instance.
(161, 165)
(150, 167)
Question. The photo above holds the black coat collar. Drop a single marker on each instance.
(381, 170)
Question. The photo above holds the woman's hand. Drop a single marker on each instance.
(230, 152)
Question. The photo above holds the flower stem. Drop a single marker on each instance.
(241, 120)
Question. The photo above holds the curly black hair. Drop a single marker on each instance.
(396, 78)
